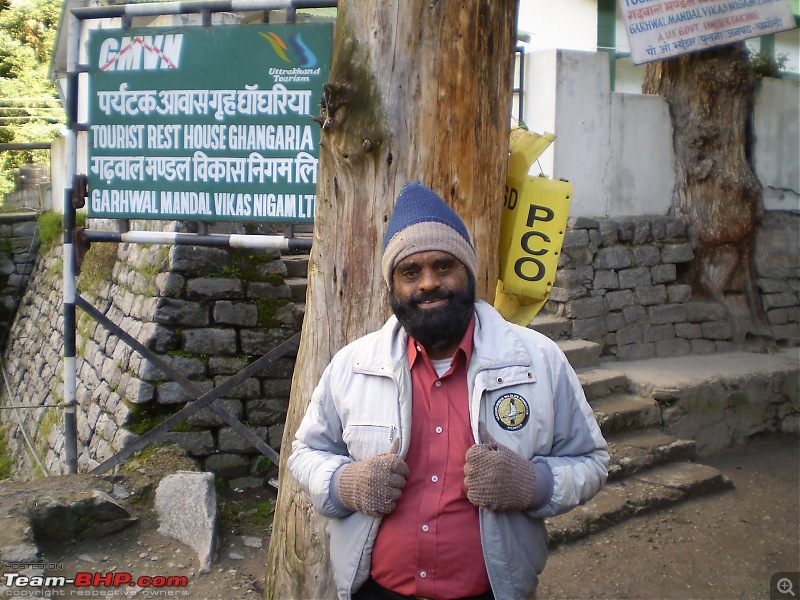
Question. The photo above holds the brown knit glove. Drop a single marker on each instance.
(497, 478)
(372, 486)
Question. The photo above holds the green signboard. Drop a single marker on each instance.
(206, 123)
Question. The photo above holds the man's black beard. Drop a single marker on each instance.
(440, 327)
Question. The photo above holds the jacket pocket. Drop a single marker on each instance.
(367, 440)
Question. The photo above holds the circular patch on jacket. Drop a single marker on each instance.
(511, 411)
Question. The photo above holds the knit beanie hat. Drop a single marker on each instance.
(421, 222)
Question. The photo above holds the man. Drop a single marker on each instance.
(437, 444)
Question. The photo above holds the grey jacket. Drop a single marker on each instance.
(363, 401)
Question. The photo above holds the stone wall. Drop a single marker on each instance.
(620, 283)
(207, 311)
(210, 311)
(19, 242)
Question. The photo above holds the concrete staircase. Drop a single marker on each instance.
(649, 469)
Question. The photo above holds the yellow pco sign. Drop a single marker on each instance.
(532, 230)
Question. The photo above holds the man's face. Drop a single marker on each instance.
(433, 297)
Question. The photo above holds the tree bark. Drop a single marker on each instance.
(418, 91)
(710, 96)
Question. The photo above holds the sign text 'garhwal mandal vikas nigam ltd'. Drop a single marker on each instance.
(659, 29)
(209, 123)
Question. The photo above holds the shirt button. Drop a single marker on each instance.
(438, 384)
(439, 430)
(423, 574)
(435, 478)
(425, 528)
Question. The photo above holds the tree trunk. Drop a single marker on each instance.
(418, 90)
(710, 96)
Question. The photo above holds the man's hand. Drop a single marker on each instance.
(496, 478)
(373, 486)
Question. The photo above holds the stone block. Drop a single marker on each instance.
(636, 315)
(198, 260)
(249, 388)
(230, 441)
(625, 231)
(276, 436)
(701, 346)
(576, 238)
(674, 347)
(717, 330)
(593, 329)
(667, 313)
(569, 278)
(585, 308)
(138, 392)
(615, 257)
(675, 229)
(172, 393)
(769, 285)
(615, 321)
(679, 293)
(689, 331)
(267, 411)
(704, 311)
(608, 231)
(229, 466)
(214, 288)
(646, 256)
(210, 341)
(677, 253)
(225, 365)
(651, 295)
(658, 333)
(206, 417)
(779, 316)
(583, 223)
(190, 367)
(257, 342)
(606, 280)
(186, 505)
(664, 273)
(636, 351)
(235, 313)
(620, 300)
(629, 335)
(579, 257)
(779, 300)
(170, 311)
(658, 228)
(278, 388)
(634, 278)
(264, 289)
(641, 231)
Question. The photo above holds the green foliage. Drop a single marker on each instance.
(97, 267)
(51, 230)
(5, 458)
(768, 64)
(29, 106)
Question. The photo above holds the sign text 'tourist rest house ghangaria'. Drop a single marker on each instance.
(206, 123)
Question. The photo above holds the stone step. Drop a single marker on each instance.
(635, 451)
(581, 354)
(556, 328)
(598, 383)
(296, 265)
(624, 413)
(646, 491)
(298, 287)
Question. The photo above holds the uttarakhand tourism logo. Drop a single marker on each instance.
(301, 62)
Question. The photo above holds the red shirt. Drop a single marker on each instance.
(430, 545)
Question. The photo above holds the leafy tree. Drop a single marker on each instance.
(29, 108)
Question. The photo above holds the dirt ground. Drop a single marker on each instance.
(724, 546)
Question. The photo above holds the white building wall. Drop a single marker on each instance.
(616, 148)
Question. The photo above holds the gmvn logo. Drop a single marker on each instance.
(147, 52)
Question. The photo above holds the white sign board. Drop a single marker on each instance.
(659, 29)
